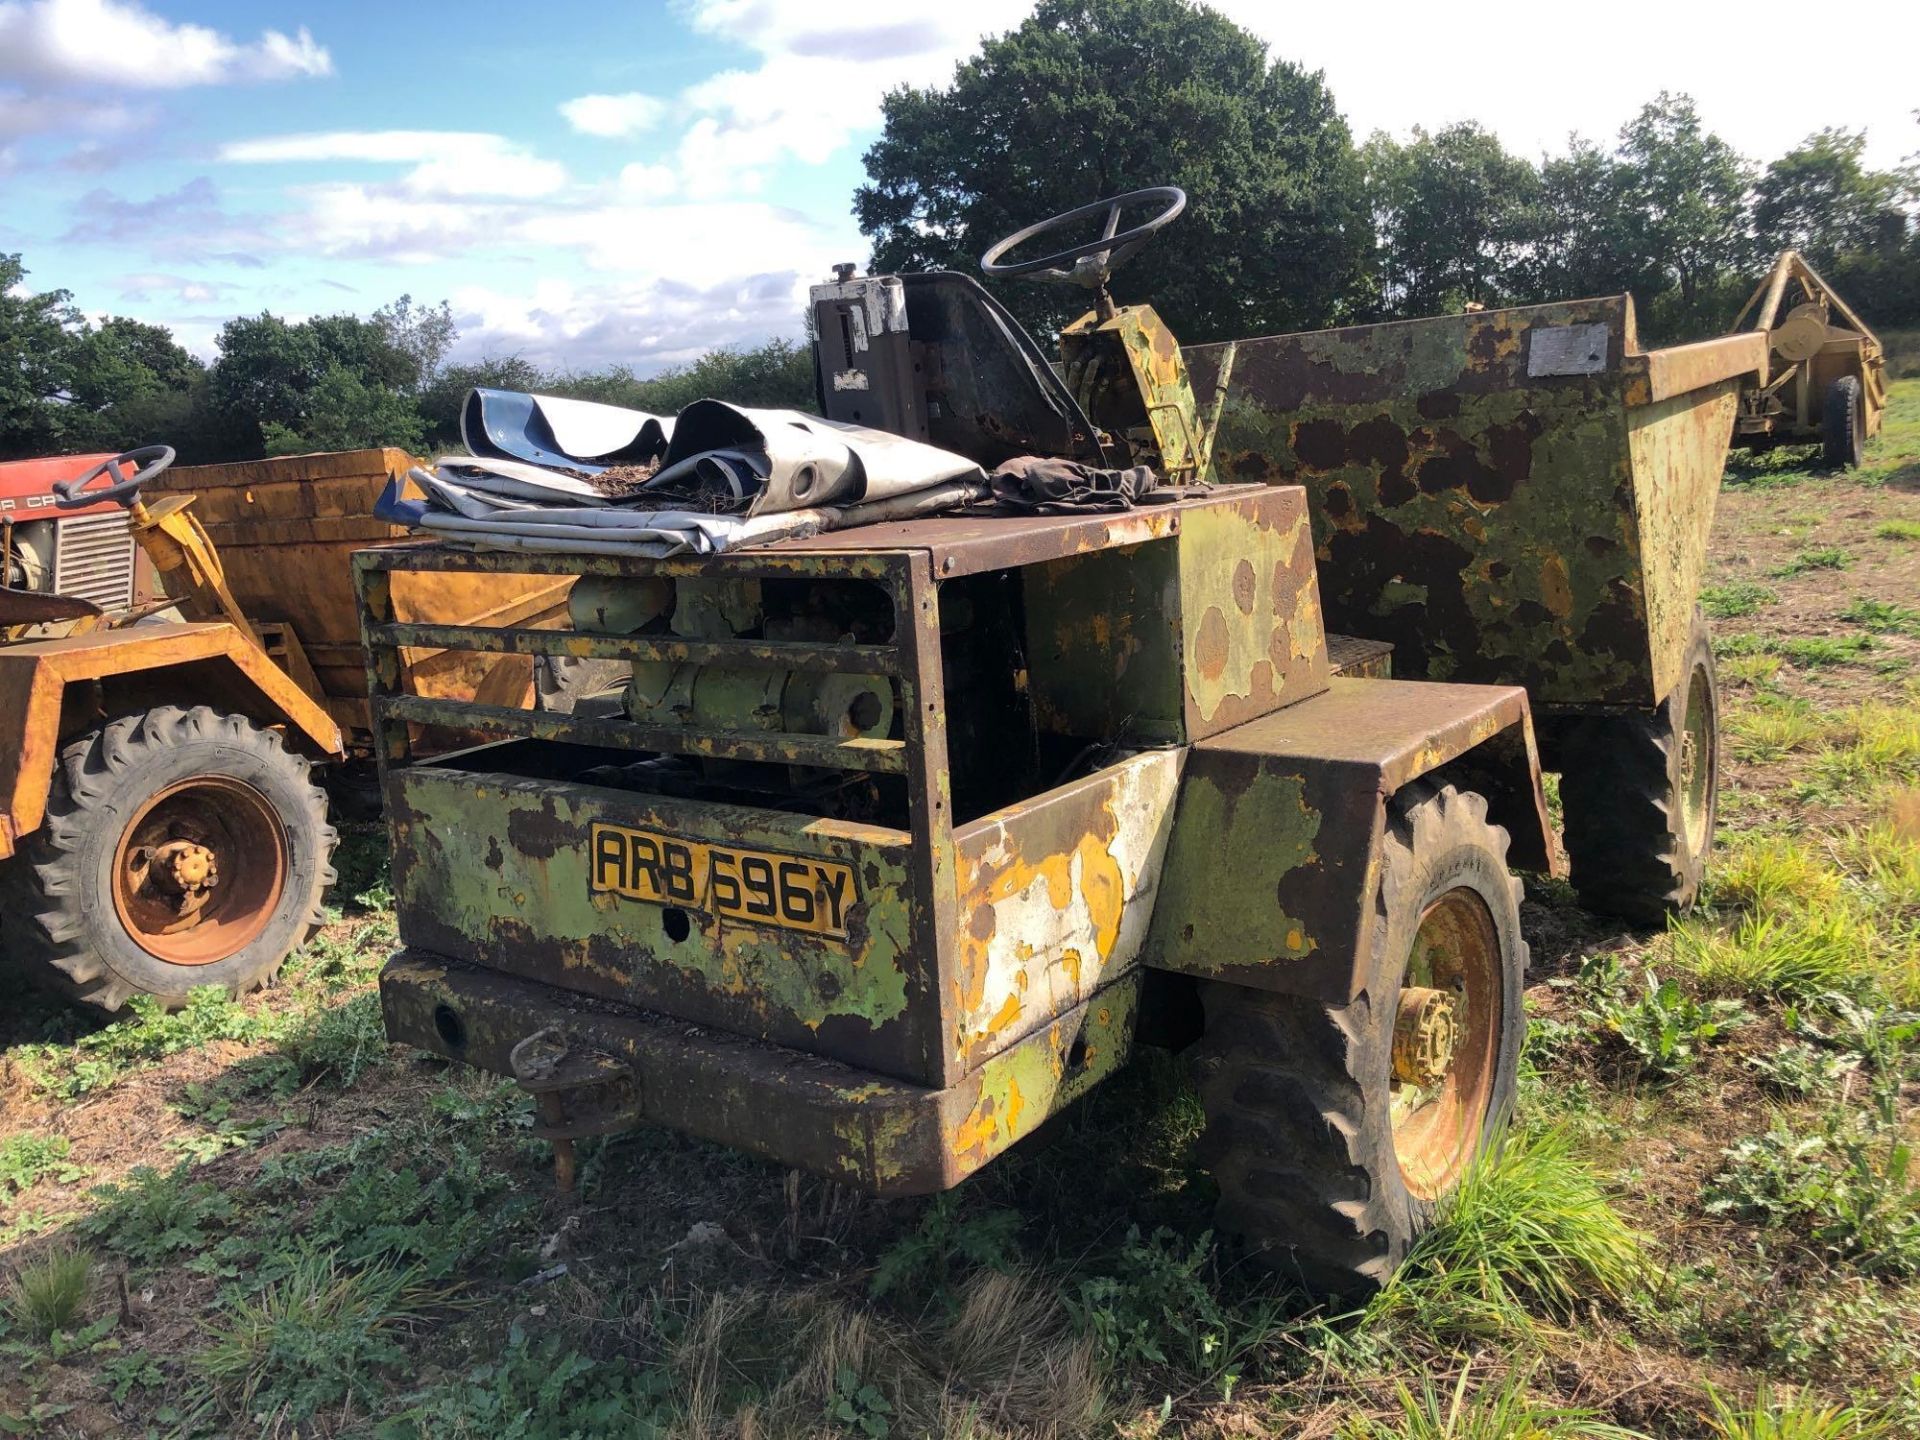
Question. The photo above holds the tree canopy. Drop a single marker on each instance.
(1090, 98)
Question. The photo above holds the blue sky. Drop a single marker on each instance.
(597, 183)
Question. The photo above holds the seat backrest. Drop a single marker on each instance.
(961, 373)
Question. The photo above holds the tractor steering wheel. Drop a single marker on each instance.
(125, 488)
(1089, 264)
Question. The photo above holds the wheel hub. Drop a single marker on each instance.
(1444, 1043)
(181, 872)
(199, 870)
(1426, 1033)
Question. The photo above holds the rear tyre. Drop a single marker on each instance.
(181, 848)
(1336, 1131)
(1843, 425)
(1640, 794)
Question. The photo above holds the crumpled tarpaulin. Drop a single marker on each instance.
(729, 476)
(553, 430)
(1042, 486)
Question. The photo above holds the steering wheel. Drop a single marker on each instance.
(152, 459)
(1089, 264)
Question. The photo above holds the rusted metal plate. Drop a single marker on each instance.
(1491, 520)
(523, 901)
(1272, 870)
(215, 664)
(1167, 643)
(968, 544)
(1252, 637)
(1359, 659)
(863, 1129)
(1054, 898)
(286, 529)
(1679, 447)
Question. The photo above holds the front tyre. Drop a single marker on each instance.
(1640, 794)
(1336, 1131)
(1843, 425)
(181, 848)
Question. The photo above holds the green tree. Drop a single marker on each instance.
(1684, 192)
(1454, 212)
(1584, 241)
(131, 384)
(346, 411)
(423, 333)
(1089, 98)
(777, 374)
(36, 363)
(332, 382)
(1820, 199)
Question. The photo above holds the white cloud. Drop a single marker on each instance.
(819, 81)
(447, 163)
(1559, 72)
(119, 43)
(614, 117)
(647, 324)
(150, 285)
(647, 182)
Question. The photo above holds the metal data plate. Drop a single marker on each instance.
(1567, 350)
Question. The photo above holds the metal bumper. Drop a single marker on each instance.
(869, 1131)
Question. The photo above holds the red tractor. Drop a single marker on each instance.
(87, 553)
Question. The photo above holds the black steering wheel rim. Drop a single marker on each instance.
(1113, 250)
(149, 460)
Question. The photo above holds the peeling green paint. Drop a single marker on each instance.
(529, 908)
(1256, 819)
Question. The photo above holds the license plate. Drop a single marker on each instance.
(761, 887)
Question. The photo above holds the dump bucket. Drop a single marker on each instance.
(1515, 496)
(285, 529)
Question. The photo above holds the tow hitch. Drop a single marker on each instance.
(580, 1091)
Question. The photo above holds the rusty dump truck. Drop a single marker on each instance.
(900, 836)
(160, 828)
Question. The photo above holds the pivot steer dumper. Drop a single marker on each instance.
(901, 834)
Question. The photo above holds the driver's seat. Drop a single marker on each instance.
(934, 357)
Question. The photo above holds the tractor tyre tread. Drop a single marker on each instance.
(1841, 429)
(1299, 1130)
(1628, 855)
(46, 884)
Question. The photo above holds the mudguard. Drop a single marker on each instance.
(1274, 858)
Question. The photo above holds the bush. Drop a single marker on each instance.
(315, 1337)
(1847, 1187)
(1664, 1029)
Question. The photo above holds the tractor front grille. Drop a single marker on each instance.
(93, 559)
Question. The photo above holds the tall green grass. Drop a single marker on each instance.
(1529, 1235)
(1799, 1415)
(1501, 1411)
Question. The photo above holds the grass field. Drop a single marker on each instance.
(257, 1219)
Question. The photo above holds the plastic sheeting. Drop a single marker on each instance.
(728, 476)
(553, 430)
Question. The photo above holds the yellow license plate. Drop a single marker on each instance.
(762, 887)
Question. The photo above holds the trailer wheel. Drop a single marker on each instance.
(181, 848)
(1336, 1131)
(1640, 794)
(1843, 425)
